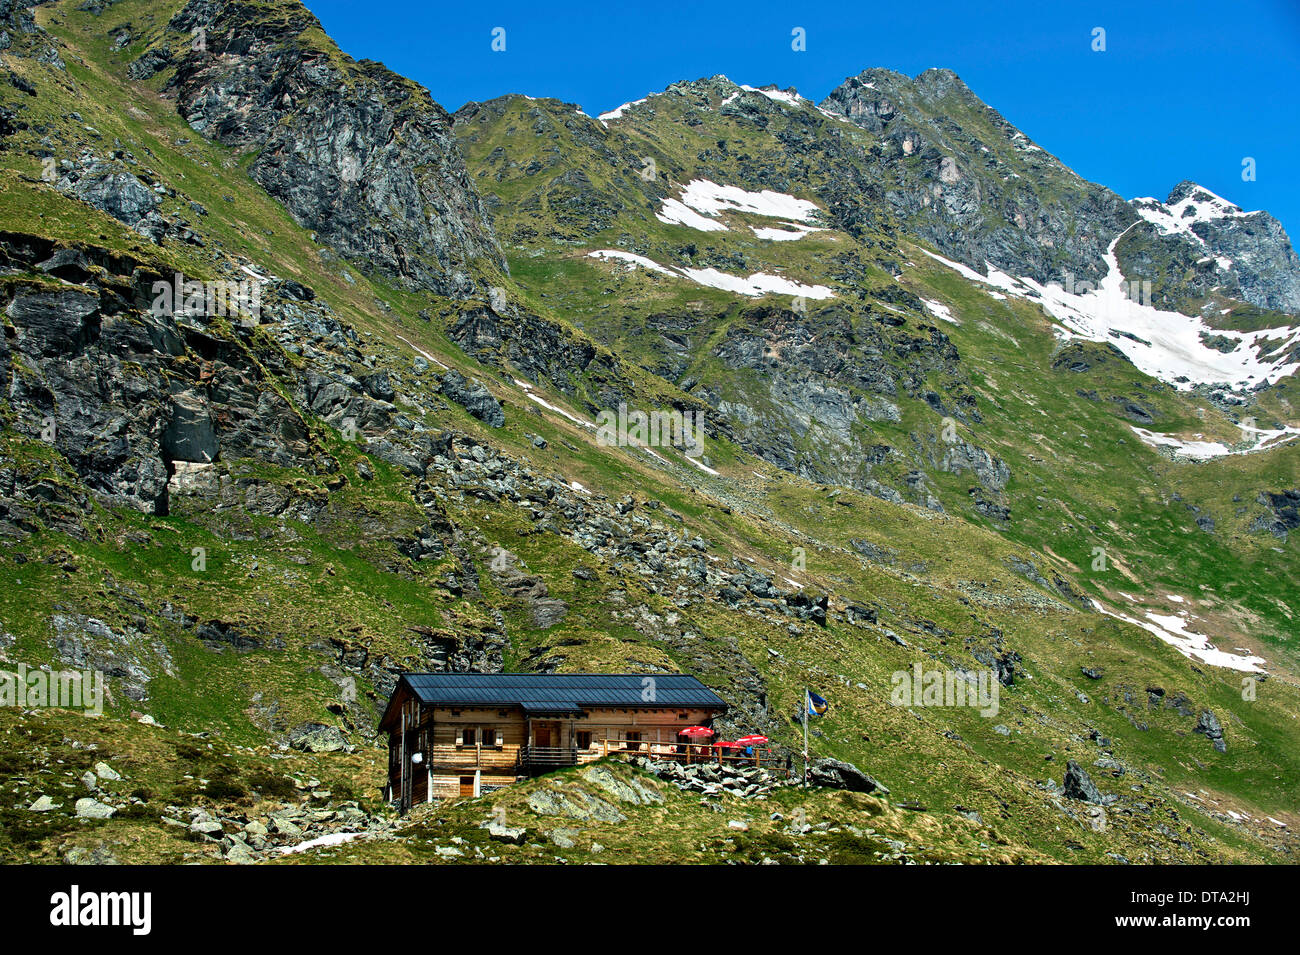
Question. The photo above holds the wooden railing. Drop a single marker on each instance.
(548, 757)
(472, 757)
(686, 753)
(532, 759)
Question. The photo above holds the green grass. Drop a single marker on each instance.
(310, 590)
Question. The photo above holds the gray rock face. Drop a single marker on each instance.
(574, 803)
(1209, 726)
(954, 168)
(1282, 512)
(1201, 244)
(127, 656)
(150, 62)
(122, 393)
(114, 190)
(474, 398)
(510, 835)
(629, 790)
(822, 378)
(88, 808)
(363, 157)
(992, 472)
(317, 738)
(837, 774)
(1078, 785)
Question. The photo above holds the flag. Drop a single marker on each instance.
(814, 705)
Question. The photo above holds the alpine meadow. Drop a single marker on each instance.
(725, 478)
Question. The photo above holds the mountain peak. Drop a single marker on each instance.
(1199, 195)
(360, 155)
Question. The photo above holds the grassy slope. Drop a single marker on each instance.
(343, 591)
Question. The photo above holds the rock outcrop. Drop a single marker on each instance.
(359, 155)
(838, 774)
(951, 168)
(126, 392)
(1196, 244)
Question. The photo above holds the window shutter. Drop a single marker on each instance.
(460, 737)
(501, 738)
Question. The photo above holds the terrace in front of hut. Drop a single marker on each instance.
(459, 734)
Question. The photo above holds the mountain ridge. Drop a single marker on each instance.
(253, 522)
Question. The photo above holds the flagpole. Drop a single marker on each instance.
(805, 738)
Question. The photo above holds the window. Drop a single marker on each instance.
(584, 739)
(469, 736)
(491, 737)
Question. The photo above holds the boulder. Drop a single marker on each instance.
(474, 398)
(88, 808)
(511, 835)
(317, 738)
(1210, 727)
(1079, 786)
(837, 774)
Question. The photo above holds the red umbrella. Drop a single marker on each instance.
(695, 731)
(754, 740)
(726, 744)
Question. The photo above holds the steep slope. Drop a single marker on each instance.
(1200, 244)
(916, 379)
(803, 379)
(973, 186)
(358, 155)
(250, 521)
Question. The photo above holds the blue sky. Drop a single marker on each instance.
(1183, 90)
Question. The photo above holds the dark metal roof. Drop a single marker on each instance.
(562, 692)
(537, 708)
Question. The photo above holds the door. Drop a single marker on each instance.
(467, 785)
(542, 735)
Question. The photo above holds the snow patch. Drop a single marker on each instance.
(1264, 440)
(1200, 205)
(1166, 345)
(676, 212)
(1173, 630)
(710, 198)
(617, 112)
(941, 311)
(755, 284)
(790, 233)
(631, 259)
(778, 96)
(538, 399)
(703, 467)
(422, 352)
(702, 201)
(758, 283)
(332, 839)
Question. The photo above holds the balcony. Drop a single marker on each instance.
(543, 759)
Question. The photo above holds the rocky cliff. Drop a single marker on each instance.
(359, 155)
(1196, 245)
(962, 178)
(251, 521)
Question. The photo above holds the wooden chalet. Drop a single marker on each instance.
(457, 734)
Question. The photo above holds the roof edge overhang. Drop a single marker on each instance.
(390, 715)
(481, 705)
